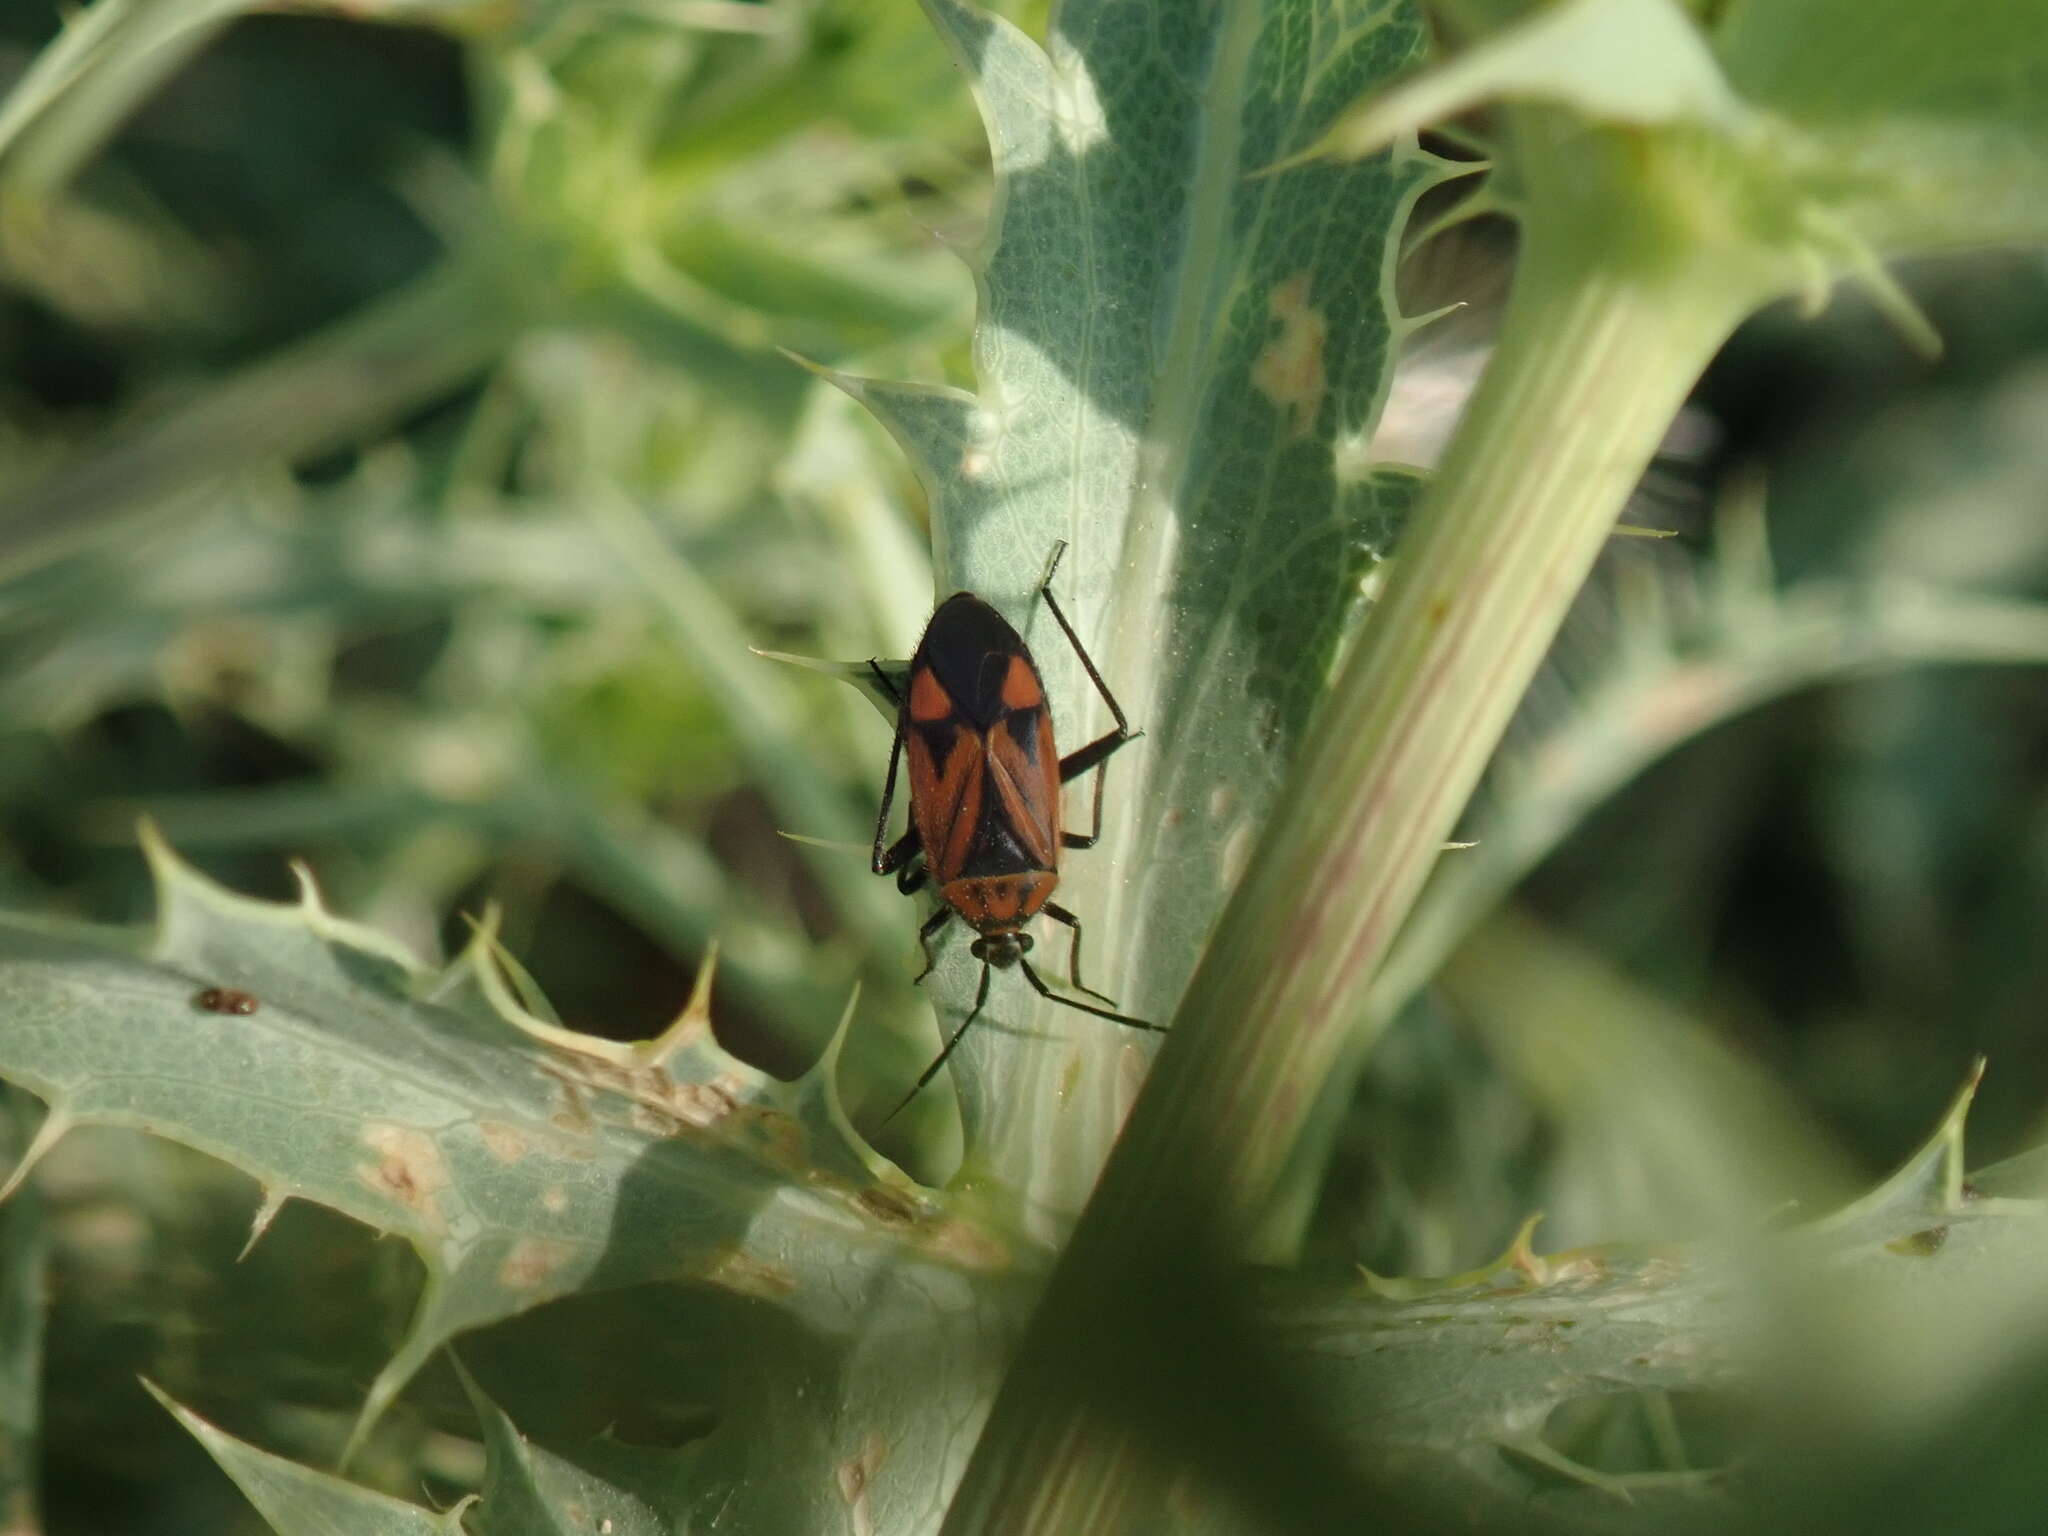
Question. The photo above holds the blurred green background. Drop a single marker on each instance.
(396, 460)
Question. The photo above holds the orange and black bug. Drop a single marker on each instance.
(985, 784)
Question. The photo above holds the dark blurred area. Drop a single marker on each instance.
(1840, 883)
(1860, 919)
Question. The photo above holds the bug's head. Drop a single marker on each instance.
(1001, 950)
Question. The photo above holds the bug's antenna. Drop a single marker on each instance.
(932, 1071)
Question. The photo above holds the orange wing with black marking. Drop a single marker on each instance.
(1024, 766)
(947, 760)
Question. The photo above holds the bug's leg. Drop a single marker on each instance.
(1087, 839)
(1081, 759)
(1038, 985)
(932, 1071)
(900, 859)
(1060, 914)
(889, 857)
(931, 926)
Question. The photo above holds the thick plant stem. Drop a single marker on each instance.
(1599, 347)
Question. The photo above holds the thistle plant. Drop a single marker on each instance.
(1079, 1288)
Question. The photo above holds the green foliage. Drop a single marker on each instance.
(1925, 146)
(438, 544)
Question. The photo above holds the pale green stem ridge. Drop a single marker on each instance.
(1813, 638)
(1596, 356)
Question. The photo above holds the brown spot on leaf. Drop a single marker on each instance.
(701, 1104)
(737, 1270)
(969, 1246)
(1289, 372)
(1236, 853)
(856, 1475)
(408, 1171)
(531, 1261)
(888, 1205)
(574, 1115)
(779, 1139)
(649, 1097)
(1580, 1268)
(609, 1075)
(506, 1143)
(655, 1121)
(554, 1199)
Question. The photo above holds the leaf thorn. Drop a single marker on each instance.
(273, 1202)
(55, 1123)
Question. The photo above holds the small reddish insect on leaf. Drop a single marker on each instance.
(985, 779)
(226, 1000)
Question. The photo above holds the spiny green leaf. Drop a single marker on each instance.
(1908, 1290)
(297, 1501)
(523, 1161)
